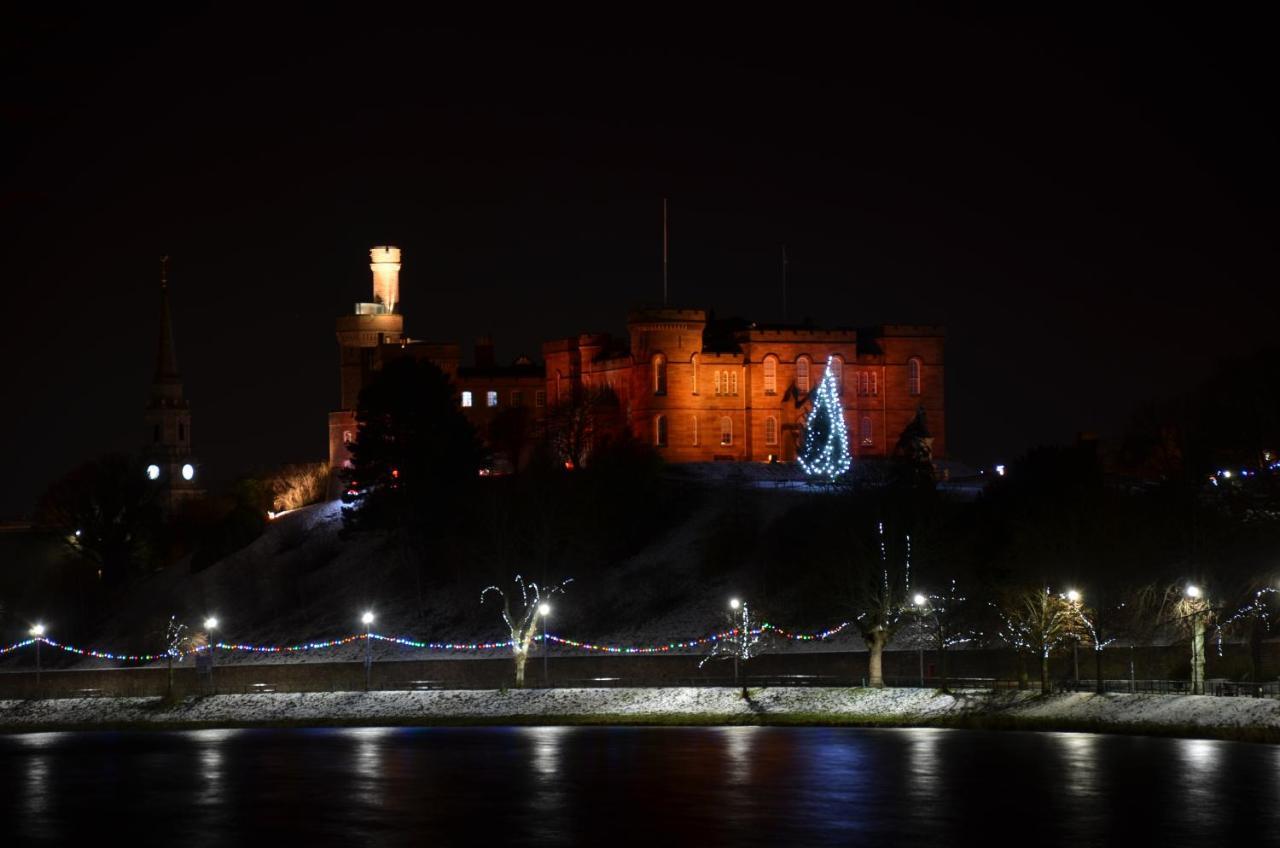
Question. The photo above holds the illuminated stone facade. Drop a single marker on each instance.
(699, 390)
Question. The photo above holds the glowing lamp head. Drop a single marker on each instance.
(1073, 596)
(1193, 592)
(211, 623)
(366, 619)
(999, 470)
(734, 603)
(37, 630)
(153, 472)
(919, 600)
(188, 471)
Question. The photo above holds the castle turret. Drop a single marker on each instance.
(384, 262)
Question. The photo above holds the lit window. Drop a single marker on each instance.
(770, 375)
(837, 371)
(693, 360)
(660, 431)
(659, 375)
(491, 398)
(517, 397)
(864, 383)
(726, 430)
(913, 376)
(866, 430)
(347, 437)
(694, 422)
(466, 398)
(733, 382)
(540, 399)
(802, 373)
(875, 384)
(771, 431)
(718, 391)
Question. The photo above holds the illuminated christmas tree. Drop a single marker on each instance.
(824, 449)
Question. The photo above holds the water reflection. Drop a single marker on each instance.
(592, 786)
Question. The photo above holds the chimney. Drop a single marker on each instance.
(484, 352)
(384, 262)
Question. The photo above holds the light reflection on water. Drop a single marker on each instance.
(548, 785)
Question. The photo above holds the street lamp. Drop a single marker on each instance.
(37, 633)
(211, 624)
(544, 610)
(1196, 606)
(367, 621)
(920, 600)
(1073, 597)
(740, 624)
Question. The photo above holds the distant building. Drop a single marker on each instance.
(698, 389)
(167, 448)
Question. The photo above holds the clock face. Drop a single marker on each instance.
(188, 471)
(153, 472)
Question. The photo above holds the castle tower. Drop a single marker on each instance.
(360, 335)
(168, 415)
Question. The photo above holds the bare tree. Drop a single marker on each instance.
(880, 600)
(744, 639)
(177, 642)
(522, 620)
(1035, 621)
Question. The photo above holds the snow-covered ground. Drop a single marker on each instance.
(1192, 715)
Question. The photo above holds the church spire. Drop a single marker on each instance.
(166, 386)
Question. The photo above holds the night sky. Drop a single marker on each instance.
(1088, 204)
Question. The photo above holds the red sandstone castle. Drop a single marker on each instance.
(697, 389)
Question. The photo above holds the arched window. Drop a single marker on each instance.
(802, 373)
(771, 431)
(659, 374)
(864, 384)
(347, 438)
(718, 391)
(660, 431)
(913, 376)
(733, 382)
(726, 430)
(837, 371)
(866, 431)
(694, 422)
(771, 375)
(693, 360)
(875, 383)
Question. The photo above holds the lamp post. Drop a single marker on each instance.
(735, 605)
(920, 601)
(367, 621)
(37, 633)
(1195, 603)
(1073, 597)
(211, 624)
(544, 610)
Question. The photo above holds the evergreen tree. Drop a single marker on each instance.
(824, 450)
(415, 456)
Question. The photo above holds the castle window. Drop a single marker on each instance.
(693, 360)
(540, 399)
(866, 430)
(771, 375)
(694, 422)
(864, 384)
(913, 376)
(802, 373)
(660, 431)
(347, 437)
(836, 367)
(466, 398)
(659, 374)
(491, 398)
(771, 431)
(726, 430)
(517, 397)
(875, 383)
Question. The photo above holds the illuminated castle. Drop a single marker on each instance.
(698, 389)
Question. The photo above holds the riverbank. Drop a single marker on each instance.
(1245, 719)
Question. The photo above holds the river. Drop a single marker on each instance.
(662, 786)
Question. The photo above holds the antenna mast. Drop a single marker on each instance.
(664, 251)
